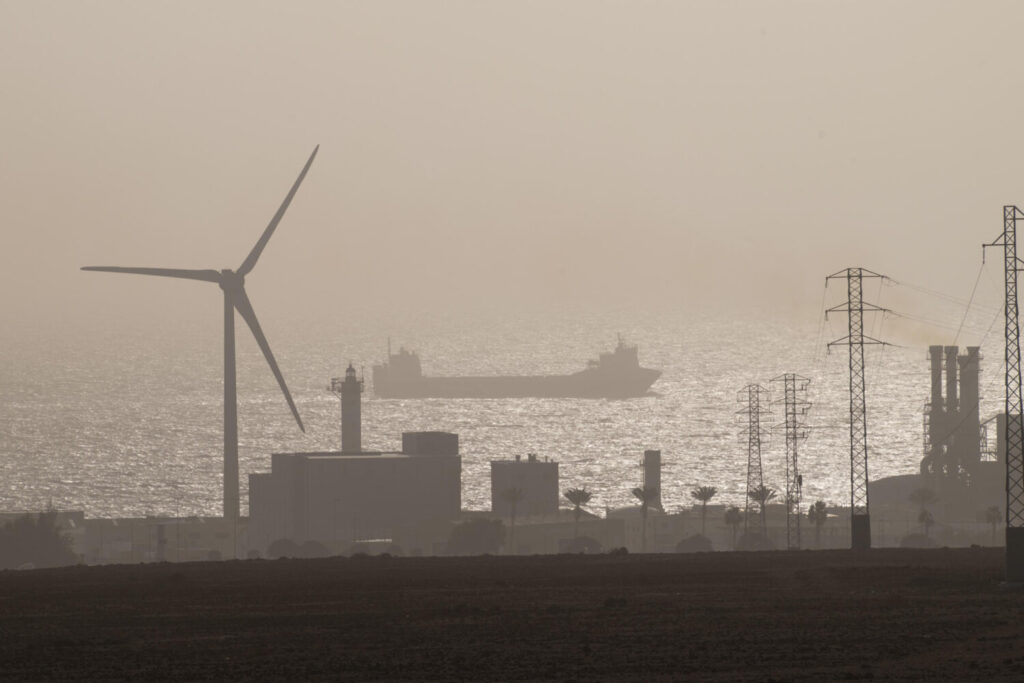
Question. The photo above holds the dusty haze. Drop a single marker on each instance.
(522, 154)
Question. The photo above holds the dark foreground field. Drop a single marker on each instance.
(923, 614)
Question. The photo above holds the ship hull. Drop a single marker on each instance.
(583, 384)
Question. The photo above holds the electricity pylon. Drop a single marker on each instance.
(1014, 424)
(860, 520)
(794, 390)
(755, 397)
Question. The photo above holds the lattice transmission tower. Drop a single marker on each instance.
(1014, 424)
(860, 519)
(754, 397)
(795, 406)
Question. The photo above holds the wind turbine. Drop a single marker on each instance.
(233, 284)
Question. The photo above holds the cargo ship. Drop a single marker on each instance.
(616, 374)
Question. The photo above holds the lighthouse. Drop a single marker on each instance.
(350, 390)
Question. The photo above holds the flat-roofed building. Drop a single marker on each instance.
(338, 499)
(536, 482)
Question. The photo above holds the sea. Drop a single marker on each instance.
(126, 420)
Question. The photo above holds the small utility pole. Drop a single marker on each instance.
(860, 520)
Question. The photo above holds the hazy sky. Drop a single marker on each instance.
(482, 153)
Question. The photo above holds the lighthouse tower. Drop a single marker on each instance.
(350, 389)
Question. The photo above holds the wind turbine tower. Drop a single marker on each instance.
(232, 282)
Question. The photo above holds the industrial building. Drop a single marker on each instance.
(341, 498)
(965, 472)
(534, 480)
(952, 426)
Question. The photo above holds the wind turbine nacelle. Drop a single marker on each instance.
(229, 279)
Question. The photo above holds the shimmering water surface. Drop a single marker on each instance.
(130, 422)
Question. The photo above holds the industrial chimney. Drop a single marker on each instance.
(652, 477)
(968, 439)
(952, 402)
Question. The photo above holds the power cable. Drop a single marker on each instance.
(969, 302)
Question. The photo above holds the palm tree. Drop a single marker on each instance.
(646, 496)
(993, 516)
(513, 497)
(734, 517)
(818, 515)
(703, 494)
(578, 498)
(761, 495)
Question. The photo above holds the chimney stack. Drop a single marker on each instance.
(652, 477)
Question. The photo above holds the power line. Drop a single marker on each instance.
(933, 292)
(969, 302)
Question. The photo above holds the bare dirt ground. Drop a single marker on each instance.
(829, 615)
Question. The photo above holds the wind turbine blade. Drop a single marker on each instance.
(205, 275)
(241, 301)
(254, 255)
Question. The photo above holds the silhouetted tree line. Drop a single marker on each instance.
(35, 540)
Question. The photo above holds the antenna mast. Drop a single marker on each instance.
(860, 520)
(1014, 425)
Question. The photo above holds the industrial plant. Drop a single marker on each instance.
(409, 501)
(363, 500)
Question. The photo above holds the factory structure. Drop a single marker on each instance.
(339, 499)
(533, 483)
(409, 500)
(952, 424)
(958, 464)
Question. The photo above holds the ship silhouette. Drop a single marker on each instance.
(616, 374)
